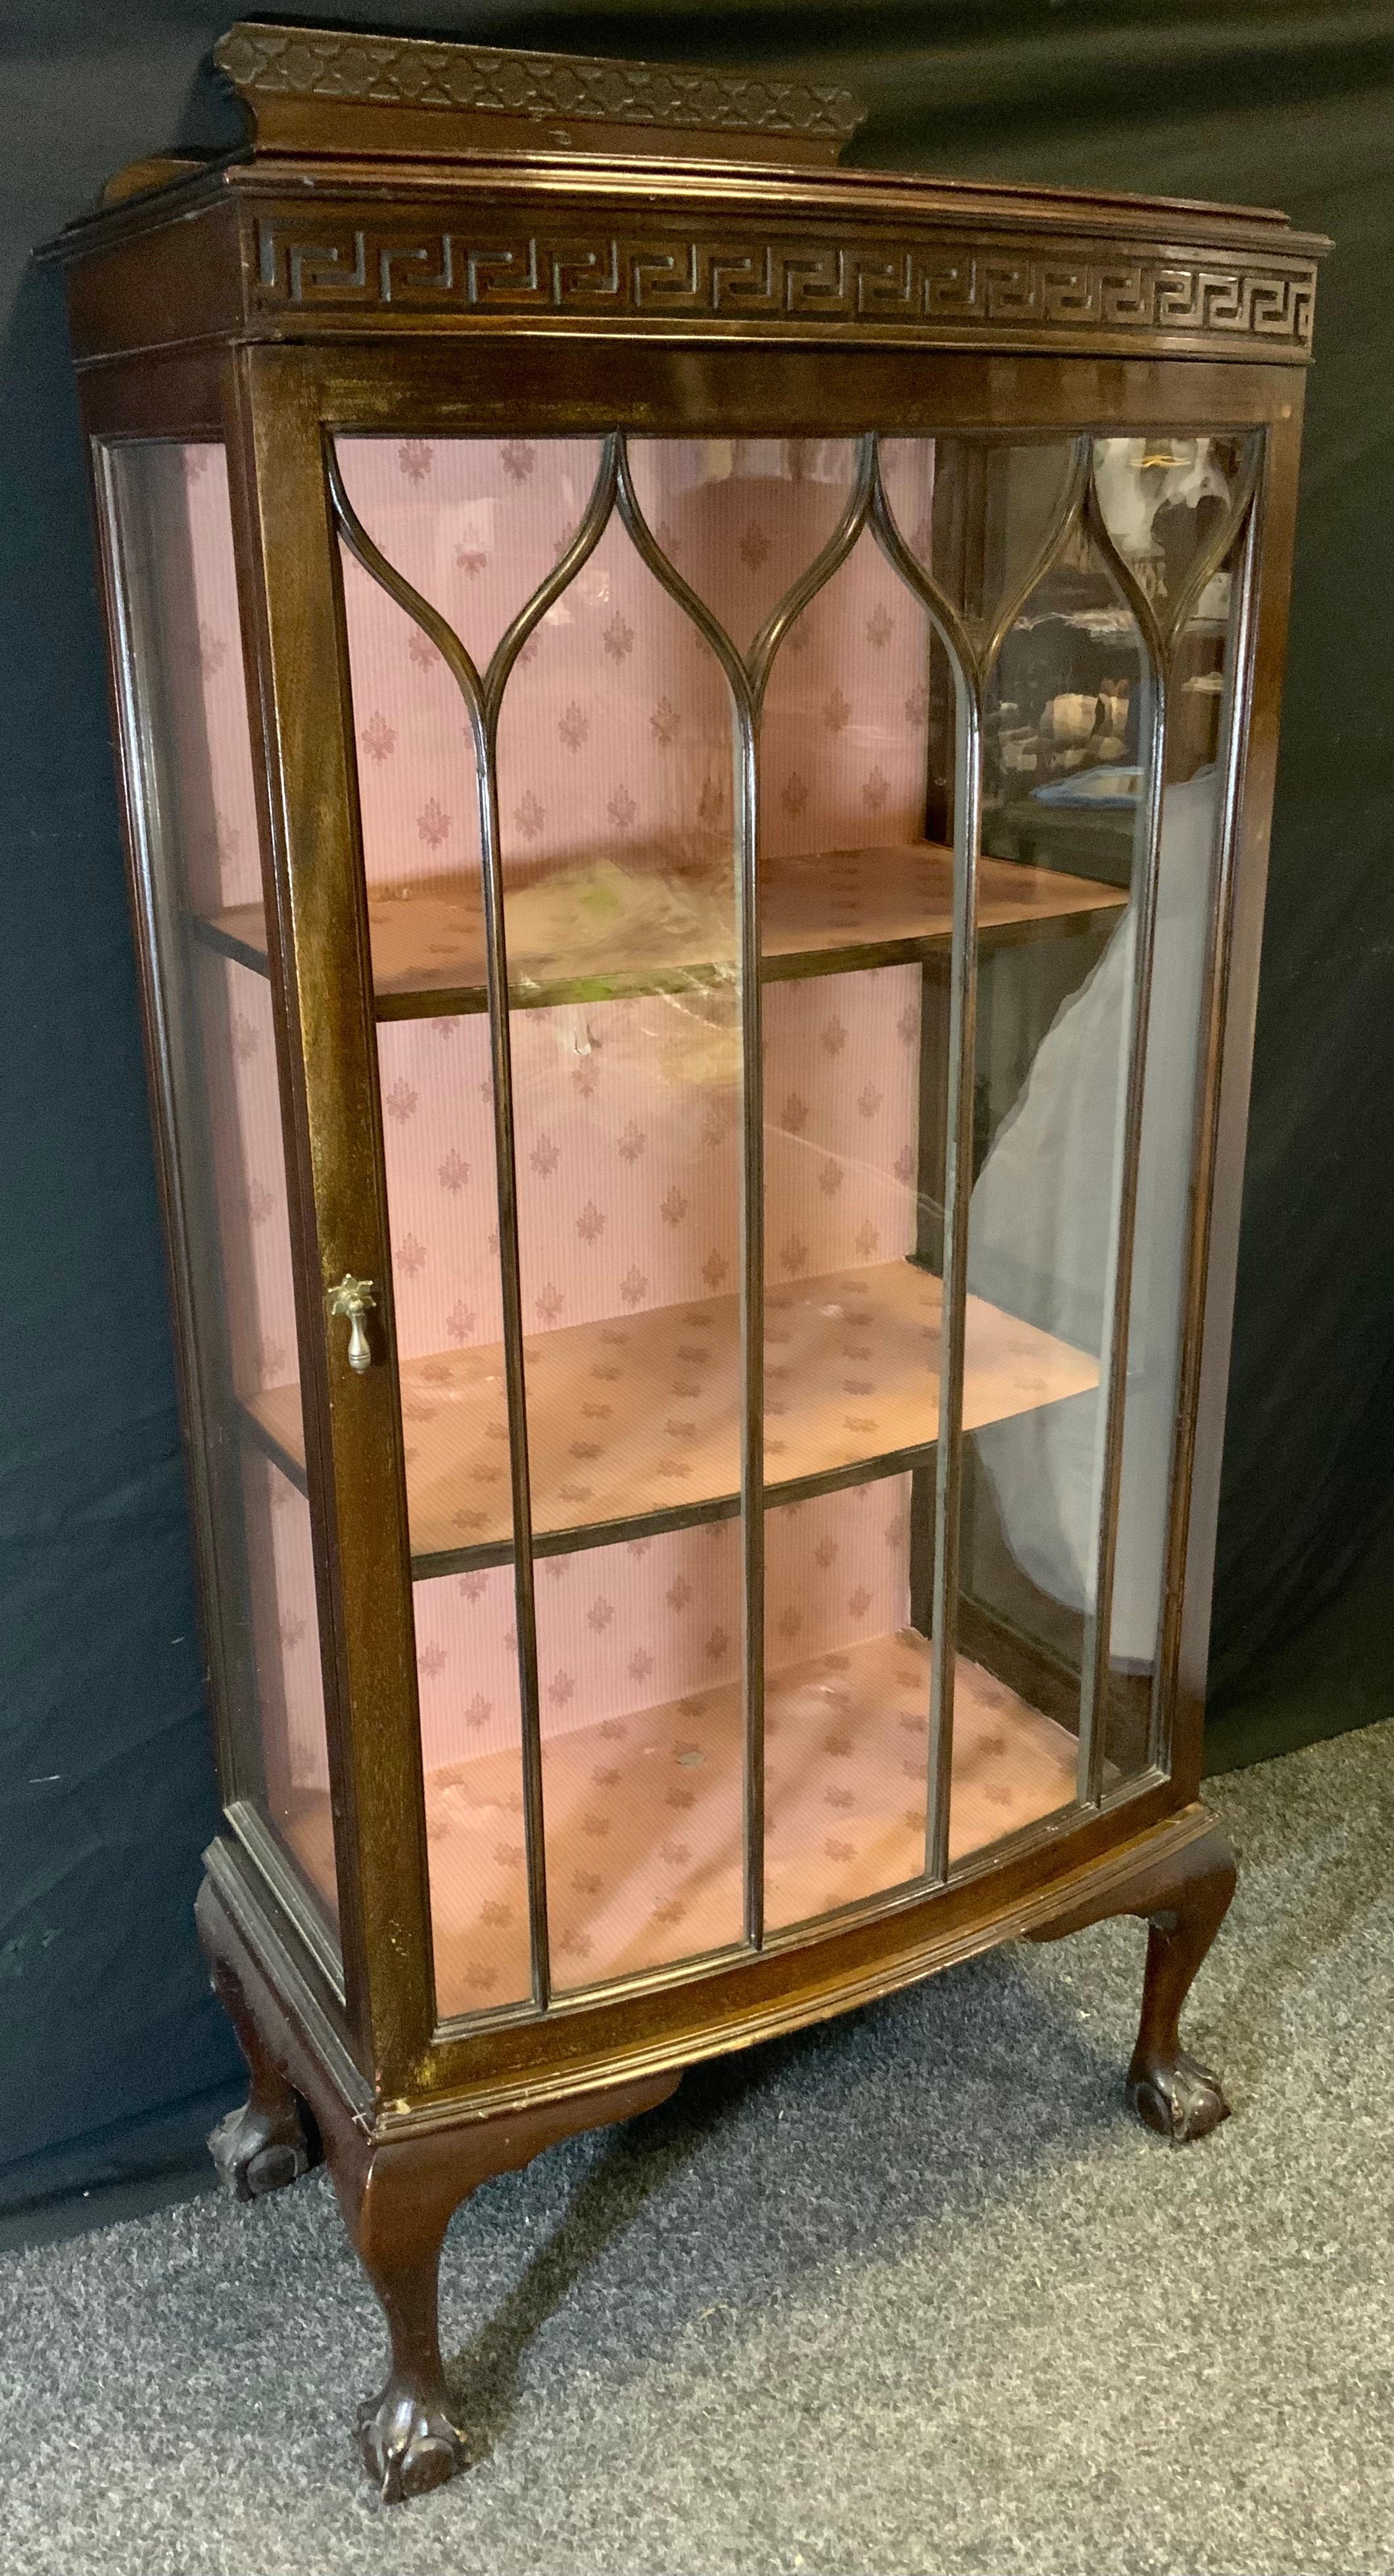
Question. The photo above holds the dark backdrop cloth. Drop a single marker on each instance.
(112, 2054)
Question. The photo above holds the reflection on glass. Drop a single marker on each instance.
(198, 815)
(974, 512)
(1192, 811)
(1068, 720)
(1064, 733)
(1163, 499)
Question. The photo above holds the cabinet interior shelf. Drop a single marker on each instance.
(635, 1421)
(824, 914)
(643, 1816)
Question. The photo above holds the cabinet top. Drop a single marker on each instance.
(317, 89)
(394, 182)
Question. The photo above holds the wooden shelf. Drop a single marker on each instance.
(643, 1817)
(635, 1422)
(822, 915)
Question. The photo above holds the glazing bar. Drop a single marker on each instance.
(510, 1276)
(752, 1324)
(958, 1189)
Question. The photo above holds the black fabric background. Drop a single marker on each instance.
(113, 2057)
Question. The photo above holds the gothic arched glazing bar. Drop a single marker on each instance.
(1160, 638)
(971, 663)
(483, 694)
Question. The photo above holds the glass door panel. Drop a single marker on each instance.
(846, 1701)
(472, 1760)
(463, 530)
(617, 757)
(189, 756)
(741, 519)
(852, 1315)
(654, 693)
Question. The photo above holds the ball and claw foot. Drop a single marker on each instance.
(1175, 2097)
(257, 2150)
(407, 2445)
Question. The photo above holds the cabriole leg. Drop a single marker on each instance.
(265, 2144)
(397, 2193)
(1169, 2091)
(1183, 1897)
(407, 2438)
(397, 2196)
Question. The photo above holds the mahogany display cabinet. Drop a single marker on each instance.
(698, 733)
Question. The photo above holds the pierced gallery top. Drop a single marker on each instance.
(698, 733)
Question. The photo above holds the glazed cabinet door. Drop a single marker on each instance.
(784, 873)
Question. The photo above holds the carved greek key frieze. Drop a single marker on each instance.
(955, 284)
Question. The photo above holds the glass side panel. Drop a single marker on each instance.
(192, 766)
(1162, 499)
(471, 1750)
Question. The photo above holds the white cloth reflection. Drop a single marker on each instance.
(1041, 1231)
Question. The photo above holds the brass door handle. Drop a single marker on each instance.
(353, 1298)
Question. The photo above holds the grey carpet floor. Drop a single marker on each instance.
(910, 2293)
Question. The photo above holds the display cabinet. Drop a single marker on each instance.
(697, 734)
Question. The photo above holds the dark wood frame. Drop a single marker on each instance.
(192, 318)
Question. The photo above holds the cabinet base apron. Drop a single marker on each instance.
(401, 2176)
